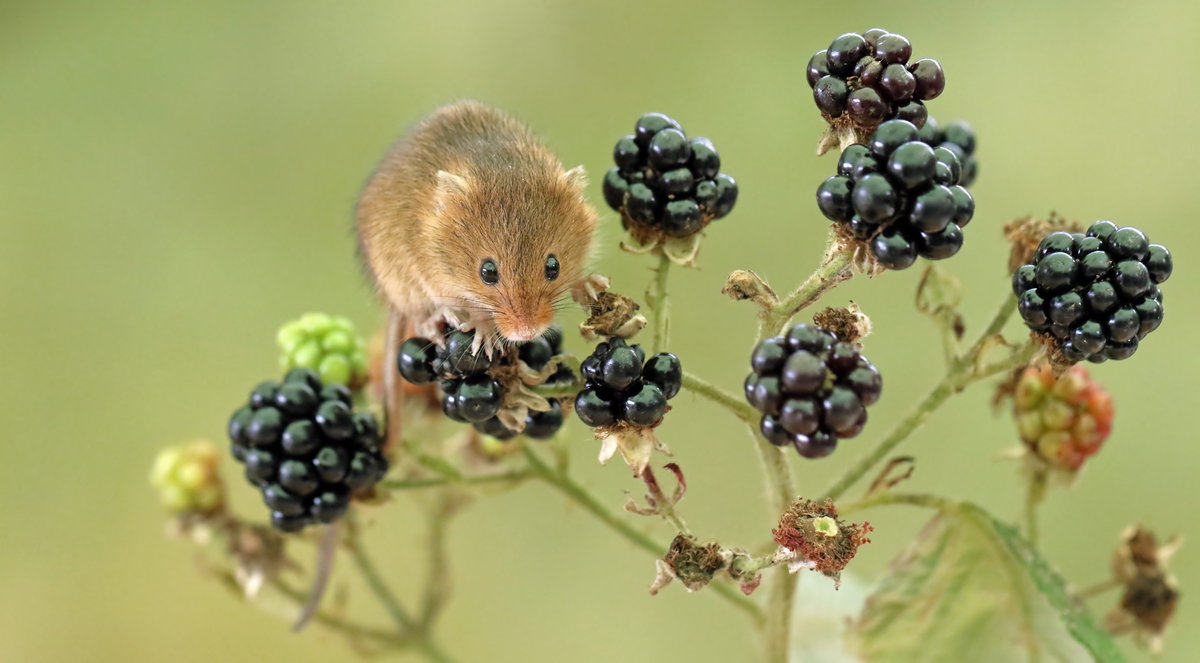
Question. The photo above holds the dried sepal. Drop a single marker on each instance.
(636, 445)
(1027, 234)
(819, 540)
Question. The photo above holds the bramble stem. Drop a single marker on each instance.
(404, 622)
(736, 406)
(1098, 589)
(1033, 499)
(834, 270)
(660, 304)
(590, 503)
(961, 373)
(437, 482)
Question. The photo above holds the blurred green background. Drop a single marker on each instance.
(176, 179)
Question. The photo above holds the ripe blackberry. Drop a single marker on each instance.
(959, 139)
(306, 449)
(864, 79)
(665, 183)
(900, 196)
(1095, 295)
(812, 389)
(1062, 421)
(471, 392)
(620, 385)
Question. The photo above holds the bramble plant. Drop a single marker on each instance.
(969, 582)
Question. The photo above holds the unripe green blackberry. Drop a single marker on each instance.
(187, 479)
(329, 345)
(1062, 421)
(306, 449)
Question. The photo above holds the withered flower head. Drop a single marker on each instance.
(1150, 593)
(812, 532)
(1027, 234)
(691, 563)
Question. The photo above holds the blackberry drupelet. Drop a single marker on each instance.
(899, 196)
(812, 389)
(470, 393)
(665, 182)
(868, 78)
(959, 139)
(1095, 295)
(621, 386)
(306, 449)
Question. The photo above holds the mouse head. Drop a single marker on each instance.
(514, 243)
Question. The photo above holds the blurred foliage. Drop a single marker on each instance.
(177, 180)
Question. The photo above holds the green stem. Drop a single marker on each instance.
(886, 498)
(736, 406)
(835, 269)
(959, 375)
(660, 304)
(437, 482)
(404, 622)
(590, 503)
(1033, 499)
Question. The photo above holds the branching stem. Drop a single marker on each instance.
(735, 405)
(590, 503)
(660, 304)
(961, 373)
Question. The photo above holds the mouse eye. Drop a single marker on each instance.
(551, 268)
(488, 272)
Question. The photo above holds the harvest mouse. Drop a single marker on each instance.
(471, 221)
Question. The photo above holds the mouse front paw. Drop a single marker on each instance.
(487, 337)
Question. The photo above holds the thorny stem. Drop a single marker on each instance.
(835, 269)
(736, 406)
(961, 373)
(657, 300)
(590, 503)
(663, 505)
(404, 622)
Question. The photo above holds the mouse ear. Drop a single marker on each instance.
(450, 187)
(449, 183)
(576, 178)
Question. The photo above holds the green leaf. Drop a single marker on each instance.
(971, 589)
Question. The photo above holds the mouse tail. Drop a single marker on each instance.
(393, 395)
(322, 571)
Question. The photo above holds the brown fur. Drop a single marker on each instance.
(502, 195)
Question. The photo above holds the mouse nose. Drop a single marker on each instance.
(523, 333)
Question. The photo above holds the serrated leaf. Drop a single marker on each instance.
(971, 589)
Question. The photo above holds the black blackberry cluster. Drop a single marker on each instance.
(306, 448)
(469, 392)
(868, 77)
(812, 389)
(959, 138)
(899, 195)
(621, 386)
(666, 182)
(1095, 293)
